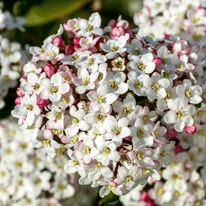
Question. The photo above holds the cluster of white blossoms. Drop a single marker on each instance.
(27, 175)
(162, 18)
(182, 182)
(12, 56)
(107, 99)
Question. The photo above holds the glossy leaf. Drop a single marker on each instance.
(51, 10)
(110, 199)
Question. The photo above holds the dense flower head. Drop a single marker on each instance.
(162, 18)
(107, 99)
(182, 182)
(28, 176)
(12, 56)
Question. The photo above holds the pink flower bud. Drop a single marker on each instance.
(171, 133)
(190, 129)
(149, 203)
(17, 100)
(42, 102)
(49, 69)
(57, 40)
(69, 50)
(157, 61)
(178, 149)
(144, 196)
(76, 41)
(167, 36)
(19, 93)
(112, 23)
(118, 31)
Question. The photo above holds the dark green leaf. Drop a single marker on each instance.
(110, 198)
(51, 10)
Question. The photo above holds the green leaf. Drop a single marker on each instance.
(110, 198)
(50, 10)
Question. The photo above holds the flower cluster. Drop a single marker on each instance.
(108, 99)
(182, 182)
(162, 18)
(12, 56)
(27, 175)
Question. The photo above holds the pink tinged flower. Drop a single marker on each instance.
(158, 133)
(118, 31)
(49, 69)
(180, 113)
(85, 81)
(101, 100)
(71, 27)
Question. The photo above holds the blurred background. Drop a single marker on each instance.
(43, 17)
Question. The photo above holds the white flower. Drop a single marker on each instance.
(180, 113)
(114, 83)
(143, 64)
(192, 92)
(114, 47)
(155, 86)
(108, 151)
(101, 100)
(136, 81)
(9, 52)
(85, 81)
(117, 130)
(61, 189)
(54, 88)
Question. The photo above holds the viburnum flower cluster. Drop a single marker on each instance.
(162, 18)
(108, 99)
(27, 175)
(12, 56)
(182, 182)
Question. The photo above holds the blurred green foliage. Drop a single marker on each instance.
(43, 17)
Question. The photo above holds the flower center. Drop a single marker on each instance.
(54, 89)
